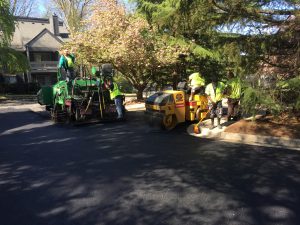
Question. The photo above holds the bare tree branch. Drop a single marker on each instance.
(72, 11)
(22, 7)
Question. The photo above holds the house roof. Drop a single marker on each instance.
(45, 41)
(32, 19)
(36, 20)
(29, 28)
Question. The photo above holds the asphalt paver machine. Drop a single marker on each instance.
(84, 99)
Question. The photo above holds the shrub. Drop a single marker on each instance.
(255, 99)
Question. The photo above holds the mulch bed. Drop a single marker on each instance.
(283, 126)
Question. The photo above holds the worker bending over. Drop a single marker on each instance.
(196, 81)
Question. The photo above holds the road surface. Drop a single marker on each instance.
(128, 173)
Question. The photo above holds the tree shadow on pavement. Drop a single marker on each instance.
(10, 120)
(127, 173)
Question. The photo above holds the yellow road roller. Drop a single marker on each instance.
(171, 107)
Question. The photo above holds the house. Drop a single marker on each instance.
(40, 39)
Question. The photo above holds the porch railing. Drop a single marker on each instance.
(44, 66)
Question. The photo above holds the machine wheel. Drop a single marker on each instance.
(169, 122)
(77, 114)
(59, 116)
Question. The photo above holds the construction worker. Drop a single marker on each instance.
(214, 92)
(116, 95)
(67, 62)
(196, 81)
(234, 89)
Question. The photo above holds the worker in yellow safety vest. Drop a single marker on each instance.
(234, 88)
(214, 92)
(67, 62)
(116, 96)
(196, 82)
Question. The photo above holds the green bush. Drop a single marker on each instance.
(255, 99)
(289, 93)
(285, 97)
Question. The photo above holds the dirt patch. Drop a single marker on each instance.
(268, 126)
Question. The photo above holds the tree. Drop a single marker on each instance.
(253, 37)
(127, 41)
(10, 60)
(22, 7)
(175, 18)
(7, 25)
(72, 12)
(247, 22)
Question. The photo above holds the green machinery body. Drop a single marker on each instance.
(82, 99)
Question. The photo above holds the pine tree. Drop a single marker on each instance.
(251, 37)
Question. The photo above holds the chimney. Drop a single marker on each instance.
(55, 24)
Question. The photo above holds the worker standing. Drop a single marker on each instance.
(116, 95)
(234, 86)
(214, 92)
(196, 81)
(67, 62)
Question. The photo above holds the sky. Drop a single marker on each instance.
(43, 4)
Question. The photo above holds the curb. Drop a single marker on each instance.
(136, 109)
(267, 141)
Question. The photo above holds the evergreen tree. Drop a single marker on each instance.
(205, 21)
(253, 38)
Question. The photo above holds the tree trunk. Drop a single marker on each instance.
(174, 79)
(139, 94)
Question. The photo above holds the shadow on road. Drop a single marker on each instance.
(127, 173)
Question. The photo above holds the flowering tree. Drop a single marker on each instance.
(127, 41)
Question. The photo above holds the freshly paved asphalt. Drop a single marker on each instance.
(127, 173)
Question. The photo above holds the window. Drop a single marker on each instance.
(64, 35)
